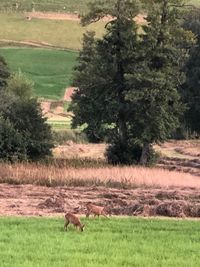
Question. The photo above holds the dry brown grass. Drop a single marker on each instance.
(122, 177)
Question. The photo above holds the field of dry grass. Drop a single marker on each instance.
(120, 177)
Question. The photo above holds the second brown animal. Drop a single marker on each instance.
(95, 210)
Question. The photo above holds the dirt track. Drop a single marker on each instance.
(140, 19)
(53, 16)
(32, 200)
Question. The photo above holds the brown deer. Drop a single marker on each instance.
(96, 210)
(73, 219)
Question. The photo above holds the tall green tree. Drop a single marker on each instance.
(191, 88)
(101, 78)
(87, 110)
(135, 77)
(163, 54)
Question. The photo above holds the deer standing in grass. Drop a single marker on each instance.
(96, 210)
(73, 219)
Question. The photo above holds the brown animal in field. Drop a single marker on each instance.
(73, 219)
(96, 210)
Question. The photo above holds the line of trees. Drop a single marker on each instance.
(136, 84)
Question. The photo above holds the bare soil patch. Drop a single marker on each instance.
(68, 93)
(45, 106)
(30, 200)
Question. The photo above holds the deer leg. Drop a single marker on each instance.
(105, 216)
(66, 224)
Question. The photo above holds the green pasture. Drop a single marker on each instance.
(50, 70)
(128, 242)
(65, 34)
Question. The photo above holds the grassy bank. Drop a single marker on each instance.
(28, 242)
(49, 69)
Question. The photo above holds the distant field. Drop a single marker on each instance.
(29, 242)
(67, 34)
(49, 69)
(79, 6)
(47, 5)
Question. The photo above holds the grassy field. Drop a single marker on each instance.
(49, 69)
(67, 34)
(28, 242)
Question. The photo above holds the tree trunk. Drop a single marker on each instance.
(120, 83)
(122, 129)
(145, 152)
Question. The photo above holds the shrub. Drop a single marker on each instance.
(119, 154)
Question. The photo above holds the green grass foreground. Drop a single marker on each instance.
(51, 70)
(112, 242)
